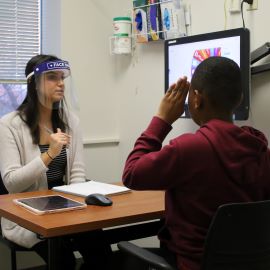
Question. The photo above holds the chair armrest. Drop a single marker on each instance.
(144, 255)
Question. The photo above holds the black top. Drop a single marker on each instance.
(57, 168)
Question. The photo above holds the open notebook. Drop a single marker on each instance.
(91, 187)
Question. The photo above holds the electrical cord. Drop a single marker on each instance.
(242, 13)
(250, 2)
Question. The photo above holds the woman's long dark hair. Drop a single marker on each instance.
(29, 111)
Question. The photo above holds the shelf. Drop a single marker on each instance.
(168, 19)
(158, 3)
(260, 68)
(257, 55)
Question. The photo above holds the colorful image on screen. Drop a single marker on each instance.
(200, 55)
(184, 58)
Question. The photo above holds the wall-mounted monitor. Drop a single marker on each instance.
(183, 55)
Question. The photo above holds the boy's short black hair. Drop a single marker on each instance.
(219, 78)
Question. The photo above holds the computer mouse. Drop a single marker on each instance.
(98, 199)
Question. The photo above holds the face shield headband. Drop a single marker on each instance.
(51, 66)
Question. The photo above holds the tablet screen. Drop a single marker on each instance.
(52, 203)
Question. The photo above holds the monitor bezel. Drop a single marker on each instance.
(242, 111)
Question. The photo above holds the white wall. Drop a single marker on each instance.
(86, 27)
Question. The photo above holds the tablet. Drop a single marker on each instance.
(49, 204)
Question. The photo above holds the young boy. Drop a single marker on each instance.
(221, 163)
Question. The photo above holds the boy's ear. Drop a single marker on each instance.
(198, 100)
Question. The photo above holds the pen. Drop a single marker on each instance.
(48, 130)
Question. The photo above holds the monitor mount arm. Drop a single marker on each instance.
(258, 54)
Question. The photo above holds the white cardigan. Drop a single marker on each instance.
(22, 168)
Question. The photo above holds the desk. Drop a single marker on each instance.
(136, 206)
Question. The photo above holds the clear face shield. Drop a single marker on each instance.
(54, 85)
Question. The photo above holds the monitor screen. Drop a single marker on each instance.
(183, 55)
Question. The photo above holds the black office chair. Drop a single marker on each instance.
(238, 239)
(14, 248)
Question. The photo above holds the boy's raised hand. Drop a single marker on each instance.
(172, 104)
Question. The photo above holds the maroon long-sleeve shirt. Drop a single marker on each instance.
(220, 163)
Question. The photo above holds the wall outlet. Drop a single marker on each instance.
(235, 6)
(254, 6)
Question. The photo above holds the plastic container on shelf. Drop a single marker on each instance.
(122, 25)
(121, 44)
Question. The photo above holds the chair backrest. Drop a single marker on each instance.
(239, 238)
(3, 189)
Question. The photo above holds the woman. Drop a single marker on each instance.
(41, 147)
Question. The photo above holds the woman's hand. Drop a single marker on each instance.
(57, 141)
(172, 104)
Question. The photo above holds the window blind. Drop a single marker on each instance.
(19, 37)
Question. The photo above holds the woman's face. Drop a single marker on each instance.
(51, 87)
